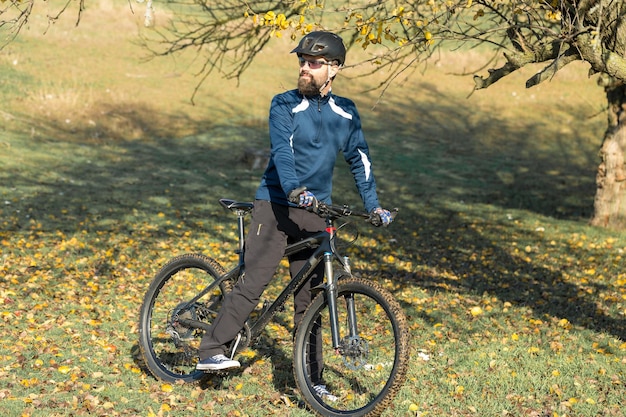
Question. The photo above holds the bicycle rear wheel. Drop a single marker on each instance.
(167, 339)
(366, 372)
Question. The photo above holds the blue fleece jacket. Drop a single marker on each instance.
(306, 135)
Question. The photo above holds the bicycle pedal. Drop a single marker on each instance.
(221, 373)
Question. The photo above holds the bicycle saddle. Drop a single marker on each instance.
(236, 205)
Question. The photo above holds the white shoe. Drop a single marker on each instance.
(217, 363)
(323, 393)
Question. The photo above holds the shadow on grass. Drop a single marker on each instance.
(102, 181)
(458, 259)
(434, 147)
(281, 365)
(448, 153)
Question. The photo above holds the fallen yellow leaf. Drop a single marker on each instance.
(476, 311)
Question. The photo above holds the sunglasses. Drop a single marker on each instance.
(313, 64)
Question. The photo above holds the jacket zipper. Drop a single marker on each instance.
(319, 122)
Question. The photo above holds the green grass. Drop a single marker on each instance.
(107, 171)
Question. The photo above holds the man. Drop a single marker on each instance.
(308, 128)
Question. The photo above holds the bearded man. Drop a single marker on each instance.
(308, 126)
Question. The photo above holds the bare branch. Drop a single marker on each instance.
(548, 72)
(14, 16)
(514, 62)
(495, 75)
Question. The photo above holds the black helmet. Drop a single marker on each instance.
(324, 44)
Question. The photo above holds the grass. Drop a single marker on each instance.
(517, 306)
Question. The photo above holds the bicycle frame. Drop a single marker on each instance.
(324, 242)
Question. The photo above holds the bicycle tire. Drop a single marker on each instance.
(169, 348)
(372, 367)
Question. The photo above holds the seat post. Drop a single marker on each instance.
(241, 228)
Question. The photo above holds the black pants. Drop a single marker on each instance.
(273, 226)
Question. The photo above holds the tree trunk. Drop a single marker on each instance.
(610, 200)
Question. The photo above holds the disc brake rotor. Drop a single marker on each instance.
(355, 351)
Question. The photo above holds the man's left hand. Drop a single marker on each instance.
(384, 215)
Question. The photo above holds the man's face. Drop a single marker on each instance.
(314, 72)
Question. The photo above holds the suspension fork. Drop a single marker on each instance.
(331, 295)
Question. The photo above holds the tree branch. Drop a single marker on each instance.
(555, 66)
(495, 75)
(19, 14)
(544, 53)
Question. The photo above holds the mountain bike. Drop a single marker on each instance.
(364, 332)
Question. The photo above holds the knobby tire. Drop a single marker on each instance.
(169, 348)
(372, 368)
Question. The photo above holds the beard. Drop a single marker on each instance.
(307, 86)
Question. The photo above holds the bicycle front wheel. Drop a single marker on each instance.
(169, 330)
(365, 373)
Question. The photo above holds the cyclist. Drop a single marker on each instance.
(308, 127)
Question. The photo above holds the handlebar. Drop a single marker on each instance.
(329, 210)
(335, 212)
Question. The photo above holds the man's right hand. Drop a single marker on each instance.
(302, 197)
